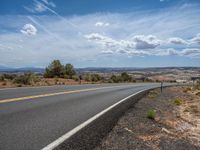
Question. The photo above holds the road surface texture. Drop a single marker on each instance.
(32, 118)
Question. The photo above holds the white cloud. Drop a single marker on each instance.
(96, 37)
(172, 52)
(58, 33)
(139, 42)
(146, 42)
(49, 3)
(196, 39)
(107, 52)
(192, 52)
(102, 24)
(103, 40)
(29, 29)
(140, 45)
(40, 6)
(176, 40)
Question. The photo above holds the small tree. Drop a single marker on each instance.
(95, 77)
(125, 77)
(114, 78)
(55, 69)
(69, 70)
(87, 77)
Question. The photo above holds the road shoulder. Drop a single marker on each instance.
(176, 124)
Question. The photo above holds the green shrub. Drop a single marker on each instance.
(151, 114)
(178, 101)
(2, 78)
(95, 77)
(26, 79)
(125, 77)
(75, 78)
(116, 79)
(8, 76)
(86, 77)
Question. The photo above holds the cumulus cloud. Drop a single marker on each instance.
(102, 24)
(141, 45)
(29, 29)
(101, 39)
(176, 40)
(145, 42)
(139, 42)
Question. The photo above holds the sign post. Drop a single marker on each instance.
(161, 86)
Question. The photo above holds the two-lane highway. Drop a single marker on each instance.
(32, 118)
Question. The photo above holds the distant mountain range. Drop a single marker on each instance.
(131, 69)
(4, 69)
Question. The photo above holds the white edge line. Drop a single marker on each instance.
(67, 135)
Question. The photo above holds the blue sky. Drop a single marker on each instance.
(100, 33)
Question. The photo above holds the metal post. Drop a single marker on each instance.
(161, 86)
(80, 78)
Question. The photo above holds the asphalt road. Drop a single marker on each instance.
(32, 118)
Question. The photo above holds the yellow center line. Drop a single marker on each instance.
(49, 94)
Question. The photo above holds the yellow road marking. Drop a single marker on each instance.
(50, 94)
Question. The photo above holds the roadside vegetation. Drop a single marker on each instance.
(57, 73)
(158, 123)
(151, 114)
(178, 101)
(153, 93)
(197, 86)
(56, 69)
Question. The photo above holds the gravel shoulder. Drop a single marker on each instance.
(176, 125)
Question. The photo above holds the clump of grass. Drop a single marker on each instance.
(194, 109)
(153, 94)
(198, 93)
(178, 101)
(187, 89)
(151, 114)
(186, 110)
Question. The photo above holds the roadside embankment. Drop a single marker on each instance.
(167, 120)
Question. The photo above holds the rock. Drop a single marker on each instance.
(166, 131)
